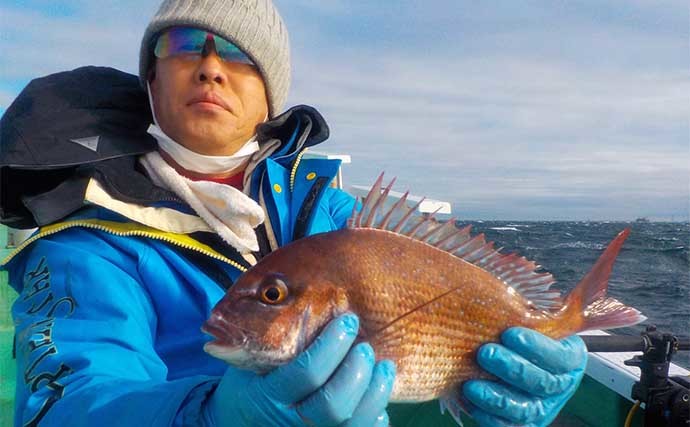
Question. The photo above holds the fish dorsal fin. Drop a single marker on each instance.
(515, 271)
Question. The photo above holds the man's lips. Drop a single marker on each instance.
(211, 99)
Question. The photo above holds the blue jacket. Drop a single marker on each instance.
(109, 310)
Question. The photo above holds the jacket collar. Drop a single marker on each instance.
(283, 126)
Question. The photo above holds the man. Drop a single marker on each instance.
(138, 241)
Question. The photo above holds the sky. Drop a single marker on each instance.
(515, 110)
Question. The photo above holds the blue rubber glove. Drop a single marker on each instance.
(539, 375)
(332, 383)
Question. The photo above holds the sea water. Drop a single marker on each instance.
(651, 273)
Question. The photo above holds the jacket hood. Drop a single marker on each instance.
(91, 122)
(74, 117)
(302, 117)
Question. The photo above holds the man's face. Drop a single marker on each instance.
(208, 105)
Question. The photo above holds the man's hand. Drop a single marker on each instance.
(332, 383)
(538, 376)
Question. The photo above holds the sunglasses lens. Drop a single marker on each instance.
(191, 41)
(180, 41)
(229, 52)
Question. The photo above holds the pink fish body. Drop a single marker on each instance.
(427, 293)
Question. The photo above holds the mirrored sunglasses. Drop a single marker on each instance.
(191, 41)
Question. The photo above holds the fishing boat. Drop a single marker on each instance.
(606, 397)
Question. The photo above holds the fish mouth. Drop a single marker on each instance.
(229, 343)
(225, 334)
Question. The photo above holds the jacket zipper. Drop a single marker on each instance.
(137, 233)
(293, 172)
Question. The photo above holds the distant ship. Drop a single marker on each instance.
(642, 220)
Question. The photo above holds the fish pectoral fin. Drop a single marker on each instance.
(454, 404)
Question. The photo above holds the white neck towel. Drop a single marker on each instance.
(230, 212)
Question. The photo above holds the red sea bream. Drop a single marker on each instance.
(428, 294)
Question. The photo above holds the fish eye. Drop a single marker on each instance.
(273, 290)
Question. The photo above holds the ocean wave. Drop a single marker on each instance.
(662, 250)
(579, 245)
(504, 228)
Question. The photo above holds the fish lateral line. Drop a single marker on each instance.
(414, 310)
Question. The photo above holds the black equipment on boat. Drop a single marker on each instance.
(666, 399)
(623, 343)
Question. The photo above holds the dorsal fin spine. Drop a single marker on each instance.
(431, 232)
(533, 279)
(396, 206)
(487, 256)
(353, 216)
(483, 265)
(509, 275)
(439, 244)
(496, 261)
(441, 231)
(507, 269)
(498, 264)
(504, 268)
(414, 229)
(478, 253)
(537, 280)
(357, 220)
(526, 268)
(379, 203)
(489, 260)
(404, 219)
(470, 246)
(465, 231)
(370, 201)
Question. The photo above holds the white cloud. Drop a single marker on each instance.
(509, 130)
(36, 44)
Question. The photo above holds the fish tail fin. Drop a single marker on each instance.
(589, 301)
(609, 313)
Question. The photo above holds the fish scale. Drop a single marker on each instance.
(428, 295)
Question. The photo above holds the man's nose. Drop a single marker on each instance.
(211, 65)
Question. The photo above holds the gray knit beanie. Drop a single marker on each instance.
(253, 25)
